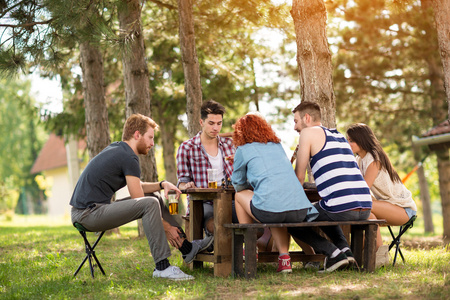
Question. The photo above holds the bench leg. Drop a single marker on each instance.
(237, 259)
(357, 240)
(250, 252)
(370, 245)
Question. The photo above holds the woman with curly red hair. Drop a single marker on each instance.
(267, 189)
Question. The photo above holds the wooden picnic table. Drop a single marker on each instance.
(221, 198)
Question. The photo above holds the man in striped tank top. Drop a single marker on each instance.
(344, 192)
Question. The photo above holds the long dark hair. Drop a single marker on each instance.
(364, 137)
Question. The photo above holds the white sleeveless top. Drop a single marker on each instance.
(384, 189)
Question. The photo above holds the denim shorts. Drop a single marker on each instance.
(410, 212)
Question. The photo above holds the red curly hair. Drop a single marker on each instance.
(253, 128)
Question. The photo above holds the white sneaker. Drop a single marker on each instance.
(172, 273)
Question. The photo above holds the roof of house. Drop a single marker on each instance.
(442, 128)
(53, 154)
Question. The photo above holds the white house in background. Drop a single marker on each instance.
(52, 162)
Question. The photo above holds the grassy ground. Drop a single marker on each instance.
(38, 257)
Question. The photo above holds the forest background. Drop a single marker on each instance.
(387, 73)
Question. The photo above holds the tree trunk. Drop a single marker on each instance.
(168, 142)
(136, 80)
(424, 192)
(314, 57)
(96, 112)
(435, 74)
(97, 126)
(444, 185)
(436, 94)
(426, 203)
(442, 18)
(168, 128)
(191, 67)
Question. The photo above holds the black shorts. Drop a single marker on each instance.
(290, 216)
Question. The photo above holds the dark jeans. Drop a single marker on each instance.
(319, 243)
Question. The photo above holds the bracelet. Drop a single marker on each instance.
(160, 184)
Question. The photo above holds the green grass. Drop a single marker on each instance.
(38, 257)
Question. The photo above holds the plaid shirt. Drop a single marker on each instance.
(192, 161)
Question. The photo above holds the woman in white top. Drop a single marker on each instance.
(392, 201)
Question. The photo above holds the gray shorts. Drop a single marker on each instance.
(291, 216)
(410, 212)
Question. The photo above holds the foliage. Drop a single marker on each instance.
(44, 32)
(8, 197)
(381, 57)
(38, 257)
(382, 74)
(21, 137)
(385, 55)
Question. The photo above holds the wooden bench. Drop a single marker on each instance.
(362, 233)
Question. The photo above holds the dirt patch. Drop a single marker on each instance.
(423, 243)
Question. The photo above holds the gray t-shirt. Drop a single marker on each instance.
(105, 174)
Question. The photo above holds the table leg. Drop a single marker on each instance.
(222, 235)
(195, 226)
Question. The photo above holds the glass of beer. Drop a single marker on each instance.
(173, 204)
(212, 178)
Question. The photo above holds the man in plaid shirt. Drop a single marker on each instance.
(206, 150)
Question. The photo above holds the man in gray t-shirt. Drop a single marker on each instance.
(104, 175)
(118, 166)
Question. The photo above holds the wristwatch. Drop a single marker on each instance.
(160, 184)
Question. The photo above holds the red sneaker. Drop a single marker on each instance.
(284, 264)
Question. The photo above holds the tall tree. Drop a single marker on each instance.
(136, 77)
(96, 113)
(314, 57)
(190, 65)
(387, 71)
(442, 18)
(436, 93)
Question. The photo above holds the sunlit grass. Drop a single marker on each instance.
(38, 257)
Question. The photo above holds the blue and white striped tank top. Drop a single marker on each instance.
(338, 178)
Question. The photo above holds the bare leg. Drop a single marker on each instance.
(281, 239)
(242, 204)
(245, 216)
(393, 214)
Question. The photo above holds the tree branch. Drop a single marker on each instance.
(162, 4)
(30, 24)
